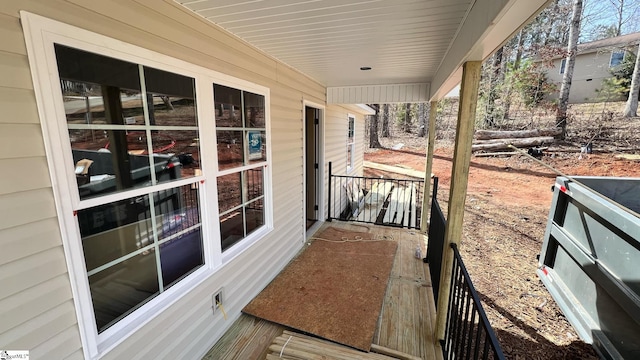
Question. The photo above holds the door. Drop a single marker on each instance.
(312, 122)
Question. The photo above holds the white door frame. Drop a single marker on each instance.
(321, 168)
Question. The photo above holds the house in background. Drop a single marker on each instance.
(163, 156)
(594, 61)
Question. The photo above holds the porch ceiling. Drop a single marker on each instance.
(403, 41)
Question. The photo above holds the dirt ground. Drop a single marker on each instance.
(506, 213)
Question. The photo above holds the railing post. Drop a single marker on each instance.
(329, 217)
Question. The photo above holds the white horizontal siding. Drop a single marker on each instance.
(26, 207)
(62, 345)
(336, 130)
(18, 106)
(33, 272)
(12, 40)
(20, 141)
(35, 332)
(28, 239)
(37, 299)
(36, 305)
(378, 94)
(15, 71)
(28, 173)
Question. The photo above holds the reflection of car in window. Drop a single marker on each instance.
(102, 177)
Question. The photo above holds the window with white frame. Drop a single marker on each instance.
(127, 132)
(617, 57)
(351, 143)
(131, 126)
(241, 135)
(563, 64)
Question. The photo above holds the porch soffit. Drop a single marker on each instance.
(407, 43)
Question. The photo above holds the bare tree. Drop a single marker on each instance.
(385, 121)
(519, 48)
(494, 81)
(374, 142)
(423, 114)
(631, 108)
(574, 33)
(597, 18)
(406, 125)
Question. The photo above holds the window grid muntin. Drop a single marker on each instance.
(247, 163)
(147, 128)
(66, 195)
(149, 191)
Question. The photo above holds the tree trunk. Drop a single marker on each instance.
(496, 134)
(423, 111)
(631, 108)
(516, 66)
(620, 12)
(503, 144)
(494, 79)
(574, 32)
(406, 127)
(385, 121)
(374, 142)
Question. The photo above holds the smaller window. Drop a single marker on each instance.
(563, 64)
(616, 58)
(351, 144)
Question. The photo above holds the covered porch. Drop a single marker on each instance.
(405, 326)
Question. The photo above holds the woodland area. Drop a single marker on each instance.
(515, 93)
(508, 197)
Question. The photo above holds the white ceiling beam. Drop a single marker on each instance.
(378, 94)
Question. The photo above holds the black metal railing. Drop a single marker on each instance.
(468, 333)
(380, 201)
(437, 224)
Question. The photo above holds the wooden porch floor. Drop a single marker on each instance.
(407, 320)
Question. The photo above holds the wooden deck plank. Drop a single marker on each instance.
(392, 208)
(374, 201)
(406, 324)
(248, 338)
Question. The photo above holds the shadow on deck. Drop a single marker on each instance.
(406, 324)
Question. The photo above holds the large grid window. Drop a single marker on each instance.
(351, 142)
(131, 142)
(131, 127)
(241, 140)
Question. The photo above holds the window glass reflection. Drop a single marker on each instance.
(228, 106)
(114, 230)
(255, 182)
(254, 215)
(254, 110)
(230, 149)
(229, 192)
(113, 135)
(231, 228)
(122, 288)
(257, 146)
(179, 231)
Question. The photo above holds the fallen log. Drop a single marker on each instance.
(500, 153)
(504, 145)
(513, 134)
